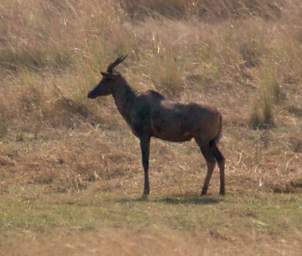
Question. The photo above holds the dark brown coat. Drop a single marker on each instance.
(150, 114)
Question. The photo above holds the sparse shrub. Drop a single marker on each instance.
(270, 85)
(262, 114)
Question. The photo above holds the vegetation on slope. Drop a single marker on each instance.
(241, 56)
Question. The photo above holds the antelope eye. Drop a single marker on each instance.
(107, 78)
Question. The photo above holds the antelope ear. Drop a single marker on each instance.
(105, 73)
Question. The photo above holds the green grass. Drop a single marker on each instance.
(60, 151)
(34, 210)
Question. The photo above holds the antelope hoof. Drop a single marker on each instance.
(203, 193)
(146, 192)
(144, 196)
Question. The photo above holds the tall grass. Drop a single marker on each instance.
(262, 115)
(54, 34)
(54, 50)
(206, 10)
(241, 56)
(228, 54)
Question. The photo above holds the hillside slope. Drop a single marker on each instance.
(68, 163)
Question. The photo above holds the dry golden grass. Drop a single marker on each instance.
(159, 242)
(242, 56)
(203, 9)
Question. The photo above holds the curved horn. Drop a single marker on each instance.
(119, 60)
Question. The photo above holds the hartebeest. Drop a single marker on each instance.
(150, 114)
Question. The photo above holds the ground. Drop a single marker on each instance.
(71, 179)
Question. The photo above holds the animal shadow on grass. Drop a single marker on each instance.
(175, 199)
(188, 200)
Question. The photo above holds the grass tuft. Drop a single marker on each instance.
(270, 94)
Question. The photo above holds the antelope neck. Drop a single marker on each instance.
(125, 98)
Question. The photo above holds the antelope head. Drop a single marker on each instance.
(109, 79)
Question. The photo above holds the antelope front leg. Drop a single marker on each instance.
(145, 149)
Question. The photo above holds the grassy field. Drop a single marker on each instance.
(35, 221)
(70, 172)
